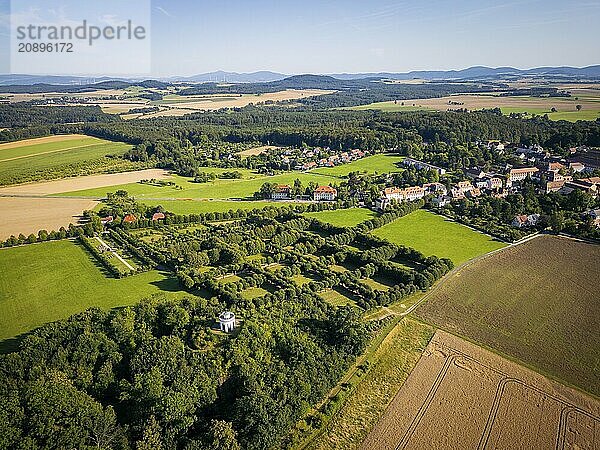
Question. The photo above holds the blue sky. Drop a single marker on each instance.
(325, 36)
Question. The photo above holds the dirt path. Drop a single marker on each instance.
(129, 266)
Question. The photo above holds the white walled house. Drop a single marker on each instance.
(281, 192)
(325, 193)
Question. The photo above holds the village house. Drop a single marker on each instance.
(577, 167)
(555, 167)
(106, 220)
(325, 193)
(129, 218)
(435, 188)
(589, 185)
(595, 215)
(423, 165)
(522, 173)
(523, 221)
(281, 192)
(441, 201)
(158, 216)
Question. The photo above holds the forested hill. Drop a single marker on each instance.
(347, 92)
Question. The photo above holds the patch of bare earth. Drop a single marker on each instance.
(87, 182)
(29, 215)
(460, 396)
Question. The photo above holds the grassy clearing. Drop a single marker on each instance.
(392, 107)
(344, 217)
(375, 285)
(221, 188)
(301, 279)
(432, 234)
(229, 279)
(537, 302)
(336, 298)
(389, 366)
(381, 163)
(33, 158)
(253, 292)
(41, 283)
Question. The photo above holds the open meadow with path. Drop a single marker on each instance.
(536, 302)
(433, 234)
(461, 396)
(44, 282)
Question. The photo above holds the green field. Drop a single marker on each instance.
(381, 163)
(17, 164)
(391, 107)
(565, 108)
(242, 188)
(343, 217)
(45, 282)
(571, 116)
(537, 302)
(195, 206)
(432, 234)
(336, 298)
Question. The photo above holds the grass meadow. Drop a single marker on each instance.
(41, 283)
(432, 234)
(219, 189)
(380, 163)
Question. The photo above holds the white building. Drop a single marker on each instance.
(227, 321)
(325, 193)
(281, 192)
(521, 174)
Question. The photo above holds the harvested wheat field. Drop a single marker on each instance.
(87, 182)
(460, 396)
(43, 140)
(29, 215)
(537, 302)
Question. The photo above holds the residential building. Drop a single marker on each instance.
(325, 193)
(523, 221)
(158, 216)
(522, 173)
(281, 192)
(129, 218)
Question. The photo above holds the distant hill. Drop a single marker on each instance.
(470, 74)
(220, 76)
(479, 73)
